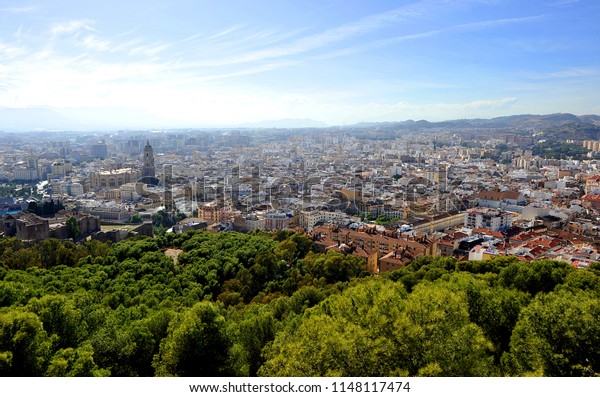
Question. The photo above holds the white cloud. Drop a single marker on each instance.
(72, 26)
(76, 66)
(96, 43)
(150, 50)
(567, 73)
(19, 10)
(8, 52)
(334, 35)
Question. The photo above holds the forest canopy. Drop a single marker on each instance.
(268, 304)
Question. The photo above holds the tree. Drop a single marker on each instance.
(75, 362)
(250, 335)
(24, 345)
(495, 309)
(197, 345)
(558, 334)
(73, 227)
(135, 218)
(534, 277)
(375, 329)
(60, 319)
(49, 252)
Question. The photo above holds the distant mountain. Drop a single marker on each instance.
(522, 121)
(32, 119)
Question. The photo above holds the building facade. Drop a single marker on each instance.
(113, 179)
(486, 218)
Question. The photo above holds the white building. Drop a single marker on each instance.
(308, 219)
(487, 218)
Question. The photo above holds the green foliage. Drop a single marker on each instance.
(267, 304)
(24, 345)
(495, 309)
(75, 362)
(163, 220)
(135, 218)
(536, 276)
(197, 344)
(73, 227)
(558, 334)
(559, 150)
(376, 329)
(60, 319)
(250, 333)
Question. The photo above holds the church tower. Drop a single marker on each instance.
(148, 170)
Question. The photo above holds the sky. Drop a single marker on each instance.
(177, 63)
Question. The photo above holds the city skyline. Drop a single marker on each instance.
(195, 64)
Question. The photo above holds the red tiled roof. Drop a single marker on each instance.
(497, 196)
(591, 197)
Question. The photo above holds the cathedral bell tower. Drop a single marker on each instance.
(148, 170)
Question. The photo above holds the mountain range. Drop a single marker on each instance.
(35, 119)
(522, 121)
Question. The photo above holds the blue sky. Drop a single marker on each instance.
(200, 63)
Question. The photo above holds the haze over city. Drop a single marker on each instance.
(142, 64)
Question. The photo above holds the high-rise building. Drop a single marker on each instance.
(100, 150)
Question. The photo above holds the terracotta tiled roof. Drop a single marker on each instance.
(497, 196)
(591, 198)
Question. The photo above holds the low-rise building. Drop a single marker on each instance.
(278, 219)
(309, 219)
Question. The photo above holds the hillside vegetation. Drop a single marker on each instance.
(266, 304)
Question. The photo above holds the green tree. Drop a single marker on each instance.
(24, 345)
(375, 329)
(60, 318)
(73, 227)
(135, 218)
(197, 345)
(534, 277)
(75, 362)
(558, 334)
(250, 335)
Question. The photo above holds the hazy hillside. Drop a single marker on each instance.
(12, 119)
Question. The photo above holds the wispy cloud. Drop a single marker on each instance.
(563, 3)
(333, 35)
(496, 22)
(226, 31)
(361, 28)
(96, 43)
(87, 63)
(19, 10)
(424, 35)
(150, 50)
(9, 51)
(72, 26)
(126, 45)
(567, 73)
